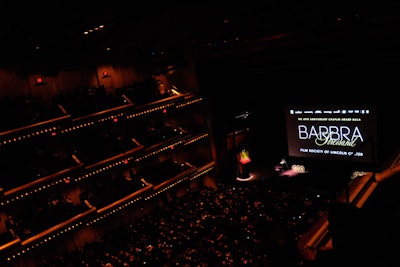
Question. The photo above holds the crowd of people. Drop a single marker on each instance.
(229, 224)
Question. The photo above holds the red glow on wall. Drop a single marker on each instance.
(39, 80)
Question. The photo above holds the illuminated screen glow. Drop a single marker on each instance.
(332, 132)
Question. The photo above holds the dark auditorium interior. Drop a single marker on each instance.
(166, 134)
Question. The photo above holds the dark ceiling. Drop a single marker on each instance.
(53, 30)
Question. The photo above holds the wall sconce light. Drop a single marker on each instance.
(39, 81)
(106, 74)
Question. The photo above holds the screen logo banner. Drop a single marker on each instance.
(332, 132)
